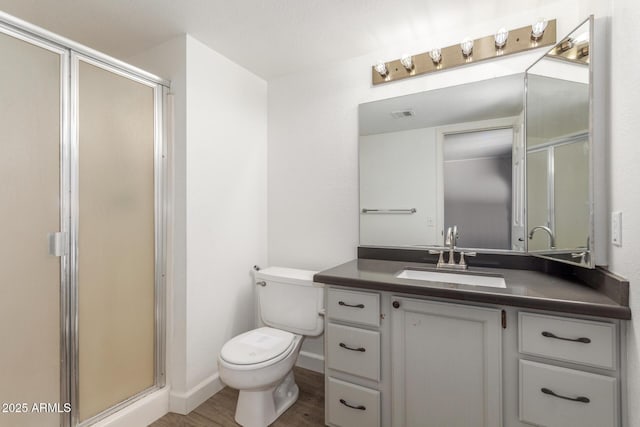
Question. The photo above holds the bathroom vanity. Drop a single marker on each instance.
(531, 333)
(545, 350)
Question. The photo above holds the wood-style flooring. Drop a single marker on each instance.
(220, 409)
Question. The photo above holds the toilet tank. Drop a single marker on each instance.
(290, 300)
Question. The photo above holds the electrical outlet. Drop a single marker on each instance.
(616, 228)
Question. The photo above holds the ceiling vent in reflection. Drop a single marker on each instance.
(401, 114)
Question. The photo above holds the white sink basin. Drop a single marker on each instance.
(473, 279)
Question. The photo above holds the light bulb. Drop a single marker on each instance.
(467, 46)
(435, 55)
(537, 29)
(501, 37)
(381, 68)
(407, 61)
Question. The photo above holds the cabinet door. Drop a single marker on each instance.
(446, 365)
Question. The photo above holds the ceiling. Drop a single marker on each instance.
(482, 100)
(268, 37)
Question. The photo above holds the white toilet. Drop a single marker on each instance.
(259, 363)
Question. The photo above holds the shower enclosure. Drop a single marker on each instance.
(82, 259)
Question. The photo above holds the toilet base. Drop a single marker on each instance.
(261, 408)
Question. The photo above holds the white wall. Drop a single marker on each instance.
(313, 136)
(220, 197)
(624, 158)
(399, 170)
(226, 202)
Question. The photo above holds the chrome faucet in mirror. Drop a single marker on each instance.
(552, 242)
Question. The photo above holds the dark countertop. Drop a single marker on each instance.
(525, 288)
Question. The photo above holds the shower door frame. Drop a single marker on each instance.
(16, 30)
(70, 54)
(160, 196)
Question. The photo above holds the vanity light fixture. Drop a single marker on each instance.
(573, 49)
(435, 55)
(583, 51)
(500, 37)
(381, 68)
(564, 45)
(537, 29)
(407, 62)
(540, 34)
(467, 47)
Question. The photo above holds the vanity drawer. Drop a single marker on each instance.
(571, 340)
(354, 351)
(351, 405)
(353, 306)
(597, 408)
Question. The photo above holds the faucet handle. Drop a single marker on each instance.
(440, 258)
(462, 254)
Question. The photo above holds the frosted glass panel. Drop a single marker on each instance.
(572, 195)
(115, 239)
(30, 194)
(477, 172)
(537, 202)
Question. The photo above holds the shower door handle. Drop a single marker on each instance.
(58, 243)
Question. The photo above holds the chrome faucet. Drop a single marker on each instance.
(552, 239)
(450, 242)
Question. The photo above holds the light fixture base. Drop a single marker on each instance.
(451, 56)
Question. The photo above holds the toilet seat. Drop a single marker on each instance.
(257, 347)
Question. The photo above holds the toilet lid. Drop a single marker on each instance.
(256, 346)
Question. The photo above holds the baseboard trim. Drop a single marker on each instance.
(141, 412)
(185, 402)
(311, 361)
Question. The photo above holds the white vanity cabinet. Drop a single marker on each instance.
(568, 371)
(446, 364)
(352, 359)
(401, 360)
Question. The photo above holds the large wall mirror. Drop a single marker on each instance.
(445, 157)
(510, 161)
(559, 146)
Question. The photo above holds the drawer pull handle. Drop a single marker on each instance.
(573, 399)
(361, 349)
(350, 305)
(550, 335)
(360, 407)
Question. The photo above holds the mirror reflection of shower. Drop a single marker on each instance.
(478, 187)
(560, 150)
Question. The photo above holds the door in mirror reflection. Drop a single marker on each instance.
(478, 187)
(558, 194)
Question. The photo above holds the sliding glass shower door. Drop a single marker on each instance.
(82, 226)
(115, 236)
(31, 86)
